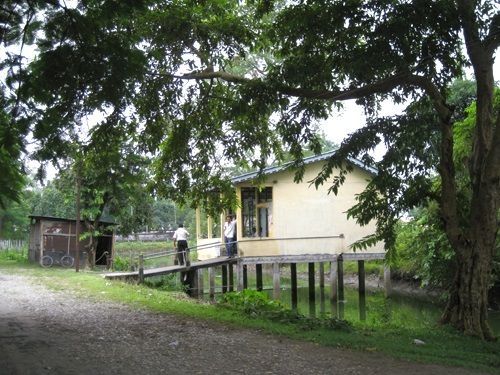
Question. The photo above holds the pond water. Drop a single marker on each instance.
(400, 310)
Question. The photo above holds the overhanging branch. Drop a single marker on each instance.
(382, 86)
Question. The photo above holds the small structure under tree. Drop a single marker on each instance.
(57, 236)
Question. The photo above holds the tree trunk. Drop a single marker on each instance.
(467, 308)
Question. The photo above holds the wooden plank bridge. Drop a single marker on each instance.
(159, 271)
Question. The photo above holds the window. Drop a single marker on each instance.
(256, 211)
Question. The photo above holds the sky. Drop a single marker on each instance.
(343, 123)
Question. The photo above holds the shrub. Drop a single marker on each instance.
(258, 304)
(121, 264)
(18, 256)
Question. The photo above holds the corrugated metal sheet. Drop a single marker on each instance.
(309, 160)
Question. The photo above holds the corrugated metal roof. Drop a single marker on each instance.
(54, 218)
(308, 160)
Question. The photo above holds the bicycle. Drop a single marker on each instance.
(54, 257)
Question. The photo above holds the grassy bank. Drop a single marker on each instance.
(442, 345)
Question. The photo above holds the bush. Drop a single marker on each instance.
(258, 304)
(121, 264)
(18, 256)
(423, 252)
(167, 282)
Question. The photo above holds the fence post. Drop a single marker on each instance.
(141, 268)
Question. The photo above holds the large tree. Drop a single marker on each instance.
(207, 82)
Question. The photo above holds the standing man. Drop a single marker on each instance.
(180, 243)
(229, 235)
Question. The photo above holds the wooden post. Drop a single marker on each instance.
(187, 258)
(312, 291)
(276, 281)
(141, 269)
(199, 278)
(224, 279)
(230, 283)
(293, 277)
(194, 287)
(190, 282)
(245, 276)
(239, 276)
(361, 290)
(78, 218)
(333, 288)
(387, 281)
(340, 278)
(258, 272)
(211, 281)
(321, 275)
(322, 288)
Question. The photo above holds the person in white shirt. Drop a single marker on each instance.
(230, 235)
(181, 245)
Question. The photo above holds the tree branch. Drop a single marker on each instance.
(492, 41)
(382, 86)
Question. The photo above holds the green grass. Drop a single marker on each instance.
(136, 247)
(443, 345)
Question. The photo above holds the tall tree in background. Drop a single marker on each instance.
(173, 71)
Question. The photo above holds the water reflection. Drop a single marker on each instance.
(398, 310)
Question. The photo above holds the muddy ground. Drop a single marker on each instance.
(48, 332)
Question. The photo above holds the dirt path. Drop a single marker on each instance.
(47, 332)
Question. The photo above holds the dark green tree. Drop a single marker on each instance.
(173, 71)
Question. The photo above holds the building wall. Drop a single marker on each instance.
(306, 220)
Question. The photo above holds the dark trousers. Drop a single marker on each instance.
(182, 252)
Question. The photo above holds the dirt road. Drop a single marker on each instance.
(47, 332)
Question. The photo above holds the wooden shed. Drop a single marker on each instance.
(56, 237)
(281, 217)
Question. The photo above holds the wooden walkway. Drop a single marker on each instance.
(171, 269)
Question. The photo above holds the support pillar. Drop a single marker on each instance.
(333, 288)
(322, 288)
(245, 276)
(224, 279)
(293, 279)
(211, 281)
(230, 283)
(240, 277)
(276, 281)
(387, 281)
(340, 293)
(141, 269)
(312, 291)
(258, 272)
(361, 290)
